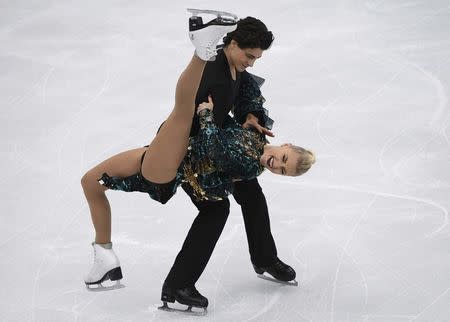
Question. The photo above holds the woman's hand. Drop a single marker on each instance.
(206, 105)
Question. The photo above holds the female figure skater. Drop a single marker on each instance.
(156, 166)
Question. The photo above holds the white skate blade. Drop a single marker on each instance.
(219, 14)
(187, 311)
(268, 278)
(100, 288)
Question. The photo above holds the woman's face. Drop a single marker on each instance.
(280, 160)
(243, 58)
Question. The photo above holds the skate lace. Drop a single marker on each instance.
(195, 292)
(211, 51)
(96, 258)
(279, 265)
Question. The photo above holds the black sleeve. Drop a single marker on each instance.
(202, 96)
(215, 83)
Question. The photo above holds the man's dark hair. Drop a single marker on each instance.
(250, 33)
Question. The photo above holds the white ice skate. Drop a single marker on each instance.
(106, 267)
(206, 36)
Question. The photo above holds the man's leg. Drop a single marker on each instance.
(249, 195)
(263, 252)
(199, 244)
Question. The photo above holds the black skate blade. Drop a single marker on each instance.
(268, 278)
(187, 311)
(101, 288)
(219, 14)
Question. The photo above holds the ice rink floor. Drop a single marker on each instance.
(364, 84)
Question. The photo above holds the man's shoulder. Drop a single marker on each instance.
(215, 71)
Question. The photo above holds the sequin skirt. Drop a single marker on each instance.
(160, 192)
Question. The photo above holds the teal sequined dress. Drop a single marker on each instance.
(215, 157)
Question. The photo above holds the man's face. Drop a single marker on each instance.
(243, 58)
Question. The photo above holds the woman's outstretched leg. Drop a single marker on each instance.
(175, 134)
(168, 148)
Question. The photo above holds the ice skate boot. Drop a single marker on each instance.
(106, 267)
(188, 296)
(206, 36)
(282, 273)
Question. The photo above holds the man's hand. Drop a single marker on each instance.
(252, 121)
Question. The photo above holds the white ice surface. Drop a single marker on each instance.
(364, 84)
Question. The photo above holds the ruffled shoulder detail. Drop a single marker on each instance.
(250, 100)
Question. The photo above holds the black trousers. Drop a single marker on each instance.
(208, 225)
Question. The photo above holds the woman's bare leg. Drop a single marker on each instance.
(161, 161)
(121, 165)
(168, 148)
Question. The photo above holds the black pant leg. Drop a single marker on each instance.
(249, 195)
(199, 243)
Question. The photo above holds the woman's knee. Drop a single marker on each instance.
(89, 182)
(85, 180)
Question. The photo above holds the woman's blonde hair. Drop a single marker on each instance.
(305, 161)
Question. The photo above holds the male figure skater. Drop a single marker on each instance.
(226, 80)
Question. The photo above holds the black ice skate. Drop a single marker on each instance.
(282, 273)
(187, 296)
(206, 36)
